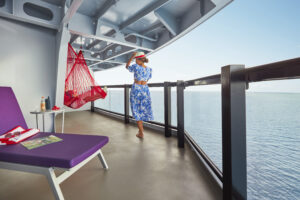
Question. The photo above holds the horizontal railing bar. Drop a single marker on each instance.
(113, 86)
(211, 164)
(209, 80)
(120, 114)
(172, 84)
(109, 111)
(161, 124)
(288, 69)
(156, 84)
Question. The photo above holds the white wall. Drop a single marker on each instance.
(28, 65)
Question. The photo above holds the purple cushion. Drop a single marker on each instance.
(10, 112)
(64, 154)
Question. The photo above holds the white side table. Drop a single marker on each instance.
(54, 112)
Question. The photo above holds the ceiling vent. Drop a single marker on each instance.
(37, 11)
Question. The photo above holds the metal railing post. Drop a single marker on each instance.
(180, 113)
(92, 102)
(92, 106)
(234, 132)
(126, 104)
(167, 108)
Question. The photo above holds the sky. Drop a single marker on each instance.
(248, 32)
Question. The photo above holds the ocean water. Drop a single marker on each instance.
(273, 135)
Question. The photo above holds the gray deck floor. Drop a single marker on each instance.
(139, 170)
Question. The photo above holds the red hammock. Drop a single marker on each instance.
(80, 86)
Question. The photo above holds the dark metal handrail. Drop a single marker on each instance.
(288, 69)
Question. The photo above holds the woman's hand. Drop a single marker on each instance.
(130, 59)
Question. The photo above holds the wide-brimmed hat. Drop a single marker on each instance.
(140, 54)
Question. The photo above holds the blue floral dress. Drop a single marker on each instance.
(140, 100)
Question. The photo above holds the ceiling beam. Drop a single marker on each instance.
(167, 20)
(85, 26)
(111, 61)
(110, 33)
(104, 8)
(79, 47)
(115, 62)
(71, 11)
(95, 42)
(152, 28)
(103, 66)
(124, 51)
(88, 56)
(104, 48)
(73, 38)
(121, 59)
(113, 40)
(143, 13)
(95, 52)
(127, 32)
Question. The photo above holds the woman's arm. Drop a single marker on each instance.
(130, 59)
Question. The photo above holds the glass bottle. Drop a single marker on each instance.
(43, 104)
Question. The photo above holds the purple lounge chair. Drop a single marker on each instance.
(70, 154)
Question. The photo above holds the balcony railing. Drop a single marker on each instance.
(234, 80)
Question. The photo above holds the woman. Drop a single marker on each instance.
(140, 99)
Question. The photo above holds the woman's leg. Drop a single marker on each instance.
(141, 129)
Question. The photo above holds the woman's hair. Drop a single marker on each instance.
(144, 59)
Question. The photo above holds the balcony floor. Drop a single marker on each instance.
(146, 170)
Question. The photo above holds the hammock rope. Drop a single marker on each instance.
(80, 86)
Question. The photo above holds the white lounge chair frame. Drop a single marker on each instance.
(53, 180)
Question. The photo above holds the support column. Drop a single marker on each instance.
(234, 132)
(126, 104)
(180, 113)
(62, 39)
(167, 108)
